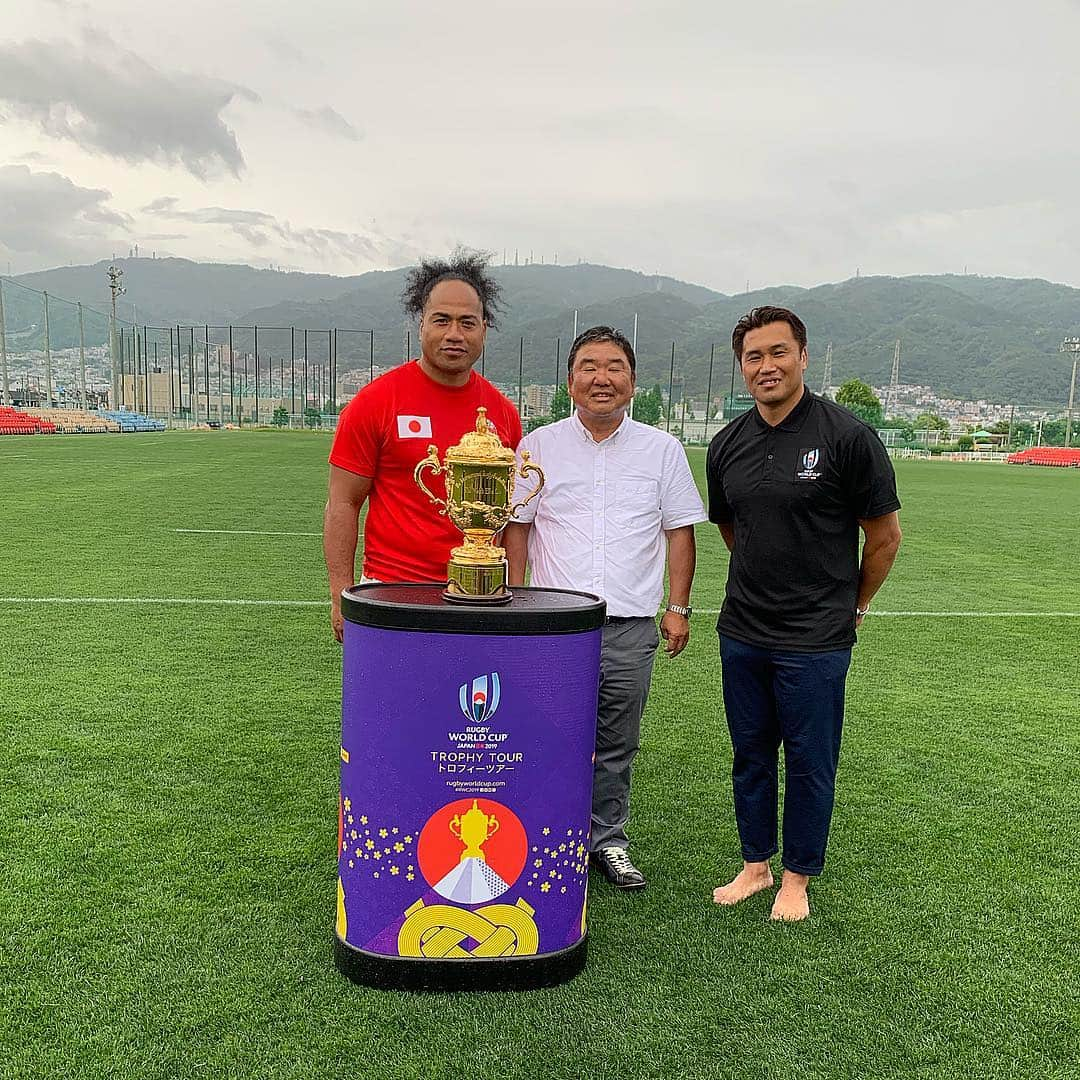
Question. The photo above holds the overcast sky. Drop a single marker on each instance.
(722, 143)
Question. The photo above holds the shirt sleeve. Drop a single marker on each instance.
(680, 501)
(525, 486)
(720, 512)
(869, 477)
(358, 439)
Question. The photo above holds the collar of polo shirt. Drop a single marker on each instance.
(794, 419)
(586, 433)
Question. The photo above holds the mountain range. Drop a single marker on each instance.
(963, 335)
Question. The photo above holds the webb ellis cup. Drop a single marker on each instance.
(479, 474)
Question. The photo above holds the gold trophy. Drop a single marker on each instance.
(474, 828)
(479, 474)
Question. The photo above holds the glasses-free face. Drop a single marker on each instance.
(601, 383)
(772, 365)
(452, 330)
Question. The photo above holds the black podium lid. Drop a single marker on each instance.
(422, 608)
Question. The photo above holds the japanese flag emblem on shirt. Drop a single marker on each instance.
(414, 427)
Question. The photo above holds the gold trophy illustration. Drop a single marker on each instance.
(474, 828)
(479, 474)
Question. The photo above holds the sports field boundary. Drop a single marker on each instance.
(223, 601)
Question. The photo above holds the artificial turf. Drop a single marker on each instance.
(168, 795)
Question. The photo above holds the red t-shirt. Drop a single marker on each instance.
(384, 432)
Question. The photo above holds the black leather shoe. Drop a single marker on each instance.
(616, 866)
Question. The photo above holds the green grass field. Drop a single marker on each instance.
(168, 798)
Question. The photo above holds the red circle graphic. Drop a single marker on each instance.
(439, 849)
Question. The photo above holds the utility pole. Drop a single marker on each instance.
(82, 359)
(116, 289)
(826, 371)
(1072, 345)
(48, 357)
(1012, 414)
(3, 348)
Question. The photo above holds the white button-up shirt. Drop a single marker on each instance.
(599, 521)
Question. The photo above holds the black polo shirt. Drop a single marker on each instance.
(795, 494)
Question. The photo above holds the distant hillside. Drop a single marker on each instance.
(965, 336)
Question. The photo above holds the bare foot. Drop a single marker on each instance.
(751, 879)
(791, 903)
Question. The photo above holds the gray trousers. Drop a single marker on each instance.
(627, 653)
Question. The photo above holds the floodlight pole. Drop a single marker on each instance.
(1071, 344)
(3, 348)
(48, 357)
(82, 359)
(116, 289)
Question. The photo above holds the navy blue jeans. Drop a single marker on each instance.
(795, 699)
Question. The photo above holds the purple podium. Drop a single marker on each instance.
(467, 737)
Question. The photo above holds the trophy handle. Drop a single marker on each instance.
(492, 826)
(524, 469)
(430, 462)
(455, 821)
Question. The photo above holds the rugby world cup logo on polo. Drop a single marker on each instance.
(808, 461)
(480, 698)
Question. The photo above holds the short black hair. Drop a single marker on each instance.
(601, 333)
(463, 265)
(762, 316)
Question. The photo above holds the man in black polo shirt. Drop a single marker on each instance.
(791, 482)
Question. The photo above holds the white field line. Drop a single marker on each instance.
(948, 614)
(244, 532)
(189, 601)
(242, 602)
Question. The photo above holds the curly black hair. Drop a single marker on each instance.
(463, 265)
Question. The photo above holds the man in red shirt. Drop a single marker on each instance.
(385, 431)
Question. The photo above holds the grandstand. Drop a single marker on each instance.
(73, 422)
(132, 421)
(15, 422)
(1059, 456)
(76, 421)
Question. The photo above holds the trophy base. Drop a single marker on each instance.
(495, 973)
(477, 583)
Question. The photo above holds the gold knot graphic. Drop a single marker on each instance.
(439, 931)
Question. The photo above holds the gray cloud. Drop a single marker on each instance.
(330, 121)
(45, 215)
(264, 231)
(111, 101)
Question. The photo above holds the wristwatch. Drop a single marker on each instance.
(861, 611)
(686, 612)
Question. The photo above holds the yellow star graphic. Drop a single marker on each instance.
(410, 877)
(382, 833)
(350, 819)
(351, 864)
(394, 870)
(358, 851)
(394, 830)
(369, 844)
(546, 831)
(538, 862)
(552, 874)
(348, 804)
(546, 887)
(408, 839)
(363, 819)
(376, 854)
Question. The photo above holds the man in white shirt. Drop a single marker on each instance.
(619, 500)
